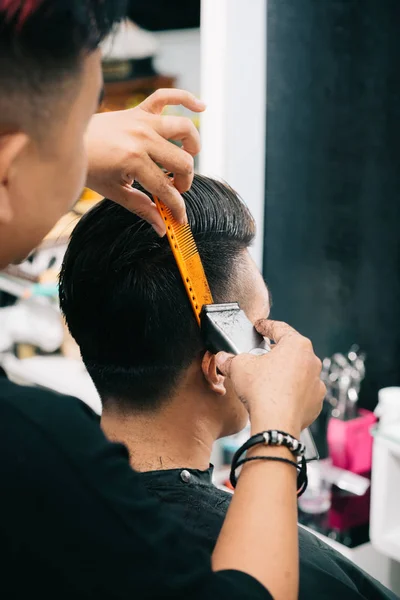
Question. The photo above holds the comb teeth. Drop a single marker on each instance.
(185, 239)
(187, 258)
(183, 235)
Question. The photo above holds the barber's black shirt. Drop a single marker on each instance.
(324, 573)
(76, 522)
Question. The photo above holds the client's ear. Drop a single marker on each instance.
(10, 147)
(215, 380)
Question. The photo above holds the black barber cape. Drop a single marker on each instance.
(324, 573)
(76, 522)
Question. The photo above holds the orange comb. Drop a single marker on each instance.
(187, 258)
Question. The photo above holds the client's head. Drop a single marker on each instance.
(125, 304)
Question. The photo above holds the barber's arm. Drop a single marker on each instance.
(128, 145)
(282, 390)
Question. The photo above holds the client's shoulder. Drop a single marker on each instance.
(196, 501)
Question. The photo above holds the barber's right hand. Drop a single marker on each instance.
(128, 145)
(281, 389)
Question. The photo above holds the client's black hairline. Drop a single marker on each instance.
(123, 298)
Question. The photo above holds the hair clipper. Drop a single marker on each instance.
(225, 327)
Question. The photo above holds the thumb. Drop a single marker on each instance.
(224, 362)
(139, 203)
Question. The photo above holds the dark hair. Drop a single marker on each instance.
(42, 42)
(123, 298)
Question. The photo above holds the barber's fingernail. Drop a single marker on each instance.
(159, 229)
(183, 220)
(222, 357)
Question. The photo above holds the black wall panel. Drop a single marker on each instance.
(332, 232)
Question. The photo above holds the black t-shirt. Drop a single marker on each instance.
(77, 522)
(324, 573)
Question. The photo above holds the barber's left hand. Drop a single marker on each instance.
(128, 145)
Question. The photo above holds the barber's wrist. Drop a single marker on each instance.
(262, 455)
(274, 446)
(264, 450)
(268, 422)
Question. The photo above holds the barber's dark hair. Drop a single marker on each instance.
(124, 301)
(42, 43)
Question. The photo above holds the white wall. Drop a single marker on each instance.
(179, 55)
(233, 77)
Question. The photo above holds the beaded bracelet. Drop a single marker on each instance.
(301, 467)
(274, 437)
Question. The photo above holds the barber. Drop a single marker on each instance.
(75, 521)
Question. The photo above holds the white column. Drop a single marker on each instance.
(233, 84)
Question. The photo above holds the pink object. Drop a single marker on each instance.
(350, 442)
(348, 511)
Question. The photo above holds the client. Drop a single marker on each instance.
(162, 395)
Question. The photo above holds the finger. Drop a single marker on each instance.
(274, 330)
(322, 390)
(183, 182)
(140, 204)
(175, 160)
(155, 181)
(164, 97)
(183, 130)
(180, 129)
(224, 363)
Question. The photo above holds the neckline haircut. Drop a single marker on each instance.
(123, 298)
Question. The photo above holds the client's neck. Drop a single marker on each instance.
(176, 435)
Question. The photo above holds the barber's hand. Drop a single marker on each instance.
(281, 389)
(128, 145)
